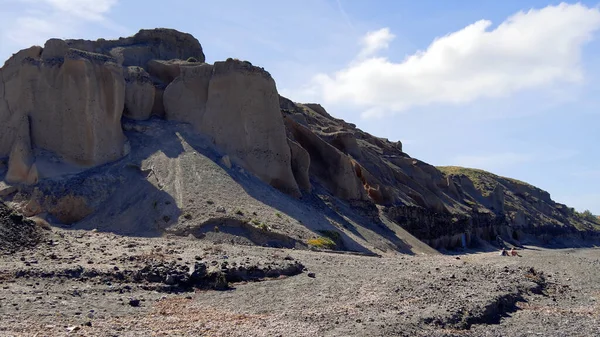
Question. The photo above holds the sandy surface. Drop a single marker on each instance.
(73, 284)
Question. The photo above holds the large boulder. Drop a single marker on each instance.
(139, 93)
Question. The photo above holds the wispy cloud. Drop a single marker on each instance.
(344, 14)
(374, 42)
(539, 48)
(43, 19)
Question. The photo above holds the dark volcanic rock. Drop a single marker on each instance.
(16, 231)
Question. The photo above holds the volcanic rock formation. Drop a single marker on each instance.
(64, 109)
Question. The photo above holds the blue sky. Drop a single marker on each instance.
(512, 87)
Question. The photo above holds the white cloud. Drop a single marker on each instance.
(532, 49)
(38, 20)
(375, 41)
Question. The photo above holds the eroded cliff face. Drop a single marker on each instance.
(68, 98)
(444, 207)
(68, 103)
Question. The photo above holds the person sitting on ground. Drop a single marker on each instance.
(503, 252)
(513, 252)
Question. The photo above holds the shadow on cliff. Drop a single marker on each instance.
(309, 210)
(124, 198)
(131, 197)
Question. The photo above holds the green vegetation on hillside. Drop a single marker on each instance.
(588, 216)
(484, 181)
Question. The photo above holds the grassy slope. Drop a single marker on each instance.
(485, 182)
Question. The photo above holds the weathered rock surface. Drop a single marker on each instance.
(146, 45)
(185, 99)
(444, 207)
(300, 165)
(242, 117)
(16, 231)
(331, 167)
(139, 93)
(73, 104)
(60, 114)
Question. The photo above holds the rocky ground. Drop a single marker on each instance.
(90, 283)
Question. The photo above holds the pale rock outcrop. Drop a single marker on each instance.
(77, 108)
(15, 94)
(20, 162)
(54, 49)
(73, 103)
(300, 165)
(139, 93)
(185, 99)
(242, 118)
(167, 70)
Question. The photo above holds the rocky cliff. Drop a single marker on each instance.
(140, 134)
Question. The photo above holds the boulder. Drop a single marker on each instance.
(55, 49)
(186, 97)
(242, 118)
(139, 94)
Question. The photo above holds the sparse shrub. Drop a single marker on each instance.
(239, 212)
(333, 235)
(278, 215)
(210, 202)
(255, 222)
(166, 218)
(263, 227)
(322, 243)
(221, 282)
(192, 59)
(187, 216)
(216, 229)
(587, 215)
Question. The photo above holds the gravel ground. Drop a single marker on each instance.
(100, 284)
